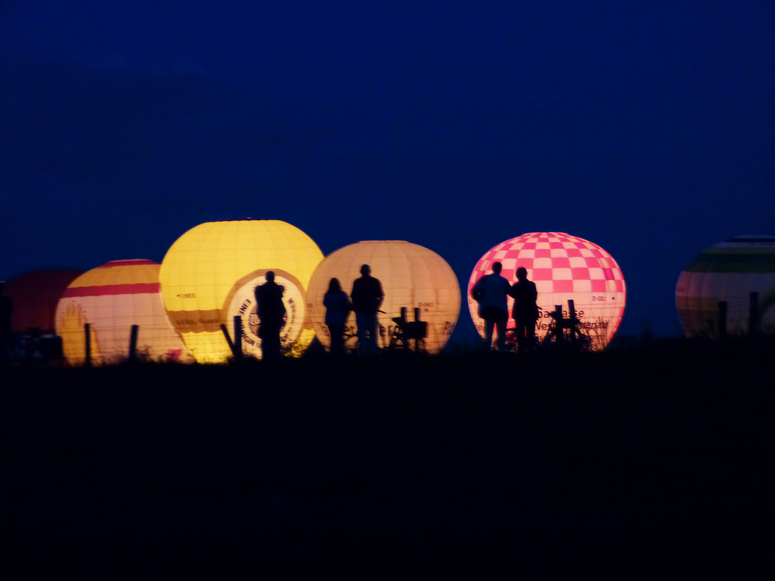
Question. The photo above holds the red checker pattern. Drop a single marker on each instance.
(596, 283)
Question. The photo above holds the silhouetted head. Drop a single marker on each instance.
(334, 286)
(522, 273)
(270, 276)
(496, 267)
(365, 270)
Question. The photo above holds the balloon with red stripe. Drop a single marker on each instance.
(564, 267)
(112, 298)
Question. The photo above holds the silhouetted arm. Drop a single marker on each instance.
(476, 290)
(512, 290)
(381, 295)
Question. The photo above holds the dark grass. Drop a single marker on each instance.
(625, 461)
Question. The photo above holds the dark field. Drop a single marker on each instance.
(656, 457)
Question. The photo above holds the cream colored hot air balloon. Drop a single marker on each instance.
(564, 267)
(112, 298)
(209, 275)
(412, 276)
(728, 272)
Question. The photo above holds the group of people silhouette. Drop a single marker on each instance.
(365, 300)
(492, 291)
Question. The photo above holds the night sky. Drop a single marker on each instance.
(646, 127)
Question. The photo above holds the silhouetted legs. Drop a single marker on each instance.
(489, 326)
(5, 347)
(526, 333)
(367, 333)
(337, 339)
(270, 341)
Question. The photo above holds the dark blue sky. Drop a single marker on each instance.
(647, 127)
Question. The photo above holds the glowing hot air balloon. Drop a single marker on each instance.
(728, 272)
(112, 298)
(564, 267)
(209, 275)
(35, 296)
(412, 276)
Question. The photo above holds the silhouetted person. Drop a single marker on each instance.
(338, 308)
(367, 296)
(6, 310)
(525, 310)
(271, 316)
(491, 292)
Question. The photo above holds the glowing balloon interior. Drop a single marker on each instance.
(564, 267)
(209, 274)
(112, 298)
(412, 276)
(728, 271)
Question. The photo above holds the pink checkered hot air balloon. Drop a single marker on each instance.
(564, 267)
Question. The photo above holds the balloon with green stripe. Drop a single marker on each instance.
(728, 272)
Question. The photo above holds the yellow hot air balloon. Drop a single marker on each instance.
(112, 298)
(412, 276)
(209, 274)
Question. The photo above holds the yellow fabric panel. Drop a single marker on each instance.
(203, 268)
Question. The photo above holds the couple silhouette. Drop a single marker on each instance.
(491, 292)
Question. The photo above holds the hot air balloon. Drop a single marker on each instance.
(564, 267)
(209, 275)
(35, 296)
(112, 298)
(412, 276)
(728, 272)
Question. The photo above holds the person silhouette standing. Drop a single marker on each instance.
(271, 316)
(338, 309)
(491, 292)
(367, 297)
(525, 310)
(6, 310)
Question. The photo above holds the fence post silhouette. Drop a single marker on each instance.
(133, 343)
(87, 339)
(572, 318)
(225, 332)
(722, 319)
(560, 335)
(237, 349)
(753, 314)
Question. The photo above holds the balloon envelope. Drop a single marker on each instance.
(563, 267)
(728, 272)
(35, 296)
(209, 275)
(412, 276)
(112, 298)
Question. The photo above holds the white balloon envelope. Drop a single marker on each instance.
(412, 276)
(111, 298)
(728, 272)
(564, 268)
